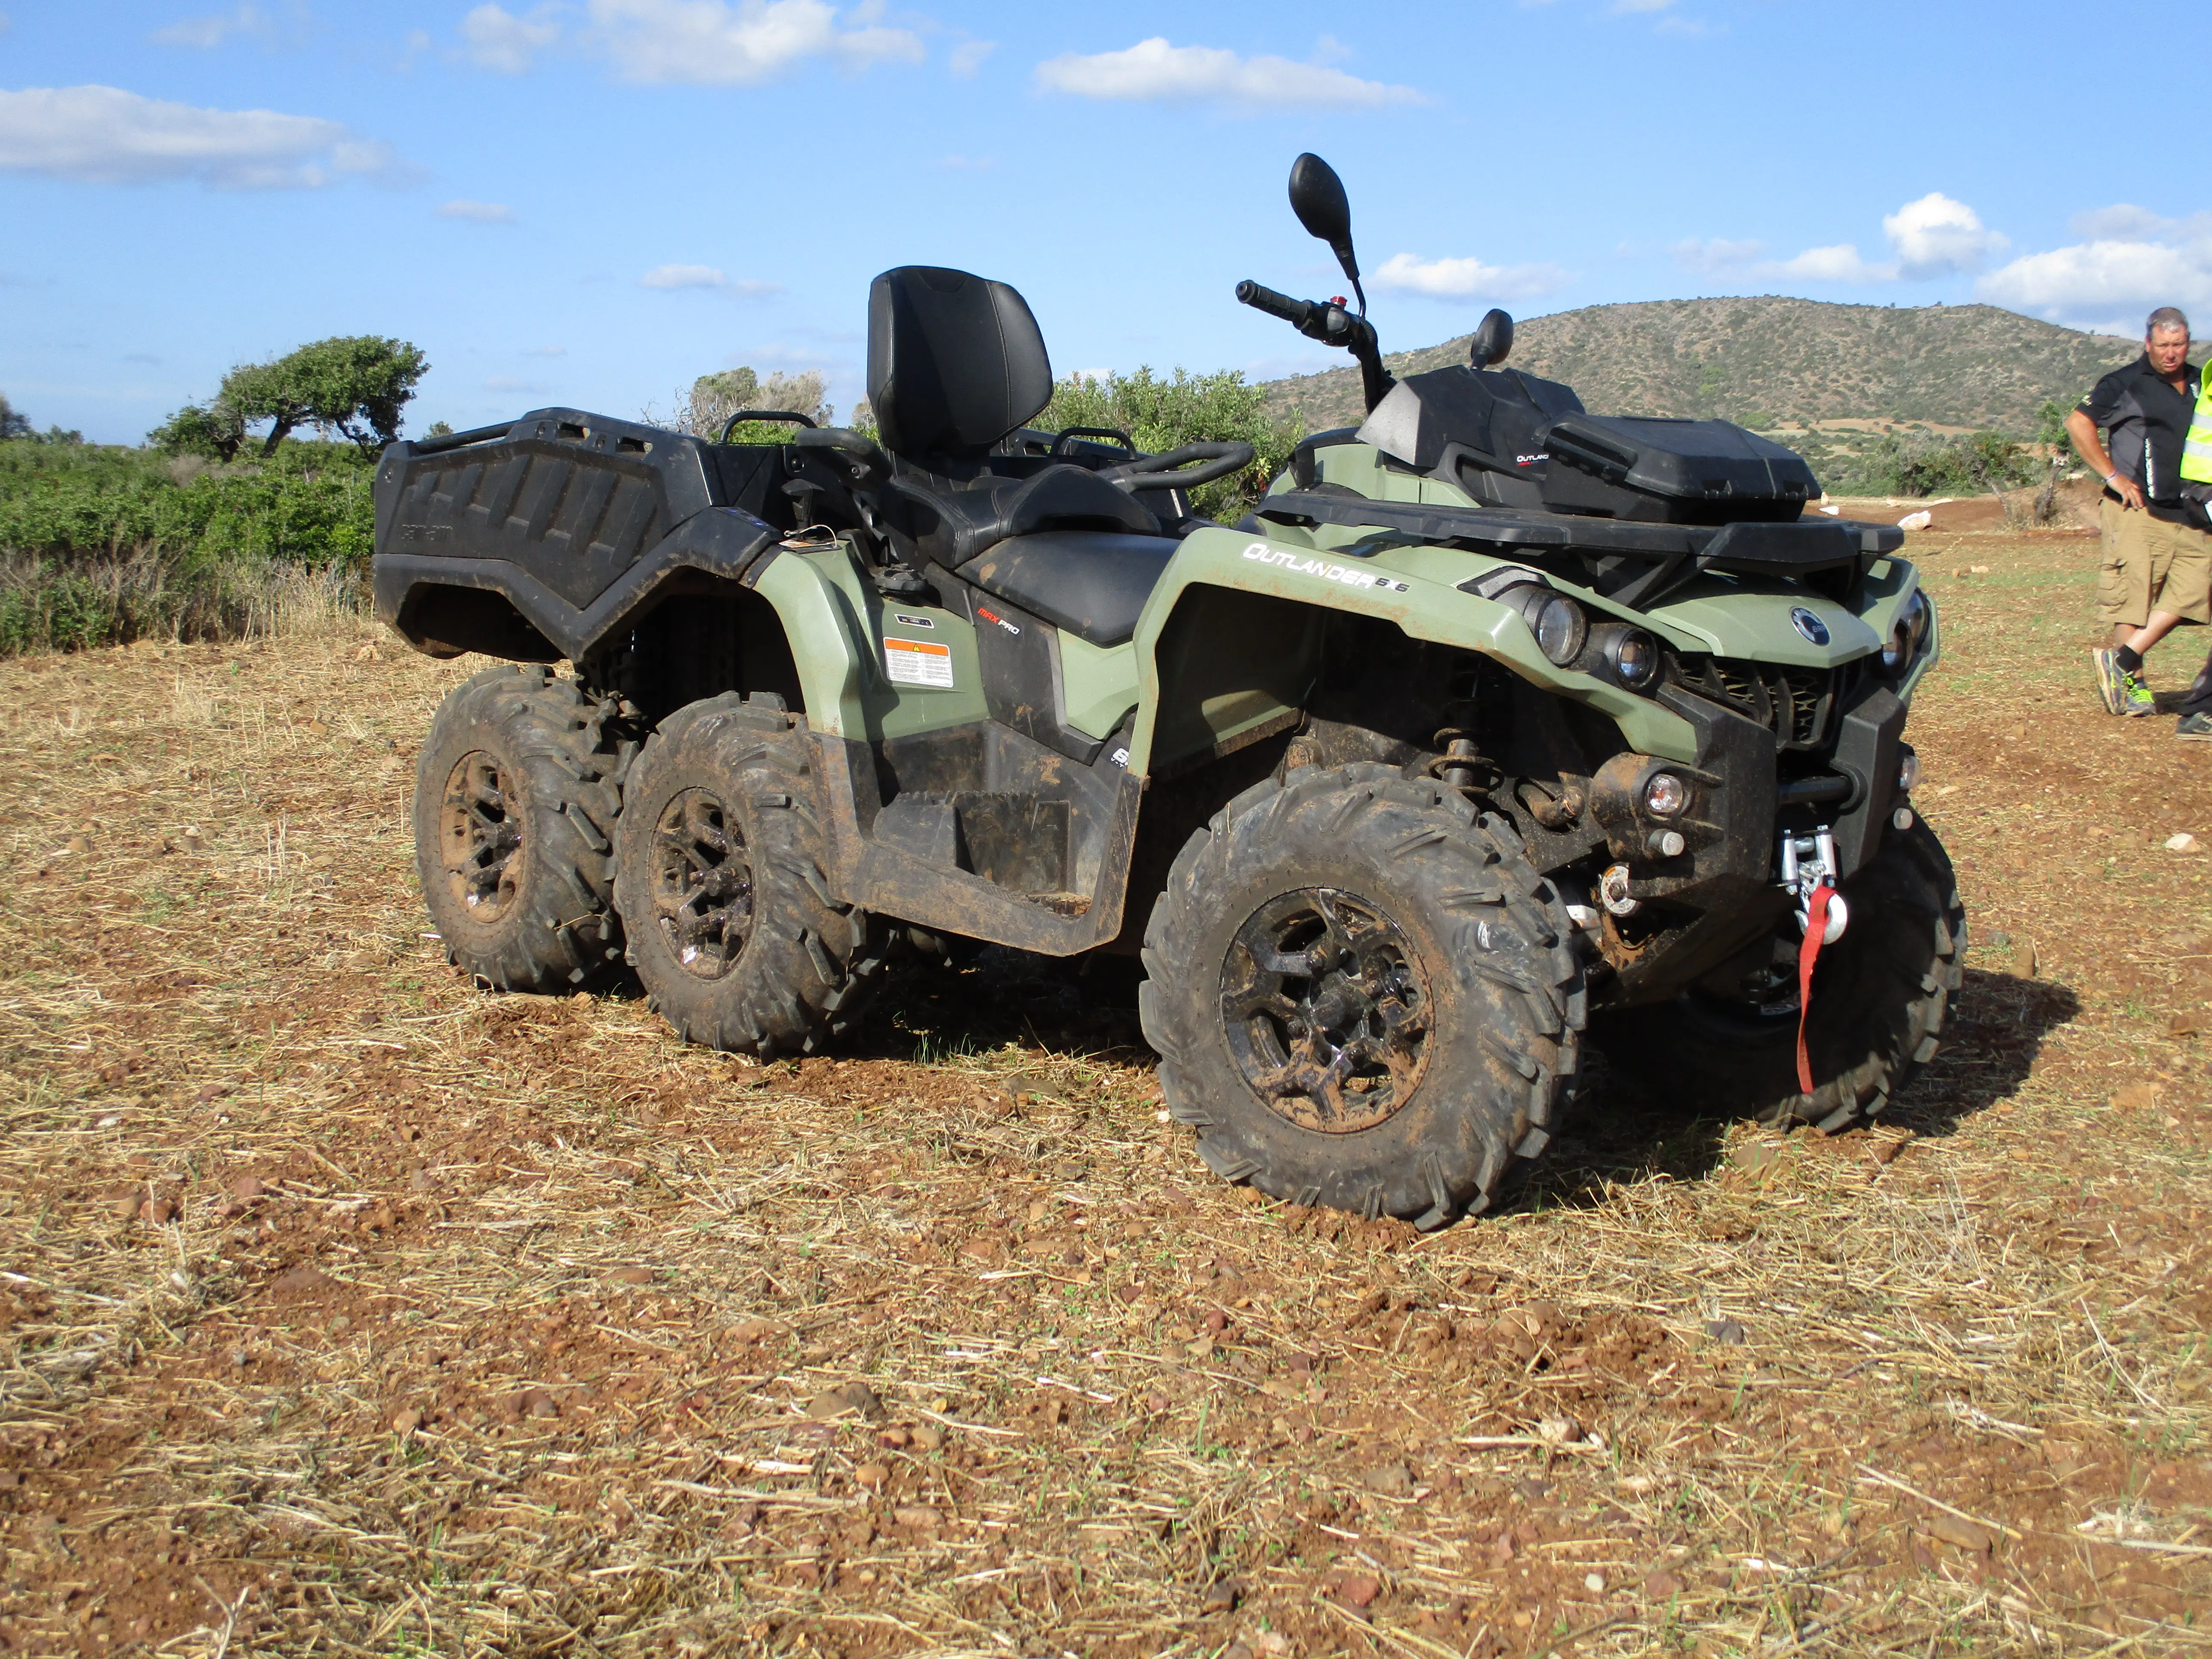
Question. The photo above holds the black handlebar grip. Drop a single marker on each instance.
(1294, 312)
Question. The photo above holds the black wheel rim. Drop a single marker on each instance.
(1327, 1008)
(702, 884)
(481, 836)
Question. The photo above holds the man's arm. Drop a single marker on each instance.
(2083, 431)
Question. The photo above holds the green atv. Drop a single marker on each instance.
(1496, 717)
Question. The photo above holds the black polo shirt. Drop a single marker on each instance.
(2147, 422)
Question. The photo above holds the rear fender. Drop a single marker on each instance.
(1228, 647)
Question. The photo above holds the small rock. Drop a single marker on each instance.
(1961, 1533)
(1221, 1598)
(156, 1212)
(2189, 1022)
(1885, 1151)
(421, 1182)
(2137, 1097)
(405, 1422)
(211, 1091)
(1217, 1321)
(871, 1476)
(306, 1279)
(928, 1437)
(755, 1330)
(629, 1276)
(1661, 1586)
(1357, 1590)
(2025, 963)
(1594, 1583)
(247, 1188)
(1726, 1331)
(1979, 569)
(1753, 1154)
(538, 1403)
(1564, 1431)
(916, 1517)
(1392, 1480)
(2183, 842)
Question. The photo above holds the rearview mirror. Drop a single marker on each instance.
(1493, 339)
(1317, 197)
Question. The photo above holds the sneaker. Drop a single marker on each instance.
(2108, 680)
(2197, 726)
(2136, 697)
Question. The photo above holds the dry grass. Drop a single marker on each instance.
(343, 1310)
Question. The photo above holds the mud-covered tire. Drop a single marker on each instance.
(721, 855)
(517, 792)
(1481, 1006)
(1880, 996)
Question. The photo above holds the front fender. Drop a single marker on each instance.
(1410, 586)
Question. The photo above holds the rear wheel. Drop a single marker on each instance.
(720, 879)
(516, 796)
(1363, 995)
(1880, 996)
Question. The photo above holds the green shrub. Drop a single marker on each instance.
(1163, 414)
(100, 544)
(1924, 464)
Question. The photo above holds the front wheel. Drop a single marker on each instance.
(1880, 995)
(1362, 994)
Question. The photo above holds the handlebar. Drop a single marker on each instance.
(1297, 312)
(1331, 324)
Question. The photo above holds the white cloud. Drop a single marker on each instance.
(497, 39)
(1839, 263)
(1153, 71)
(102, 134)
(482, 213)
(1465, 279)
(968, 56)
(671, 277)
(1934, 236)
(2122, 222)
(1937, 236)
(1710, 255)
(2110, 284)
(205, 32)
(713, 43)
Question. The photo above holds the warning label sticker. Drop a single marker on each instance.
(918, 662)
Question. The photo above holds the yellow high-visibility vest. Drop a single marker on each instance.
(2197, 451)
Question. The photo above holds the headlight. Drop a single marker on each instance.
(1632, 656)
(1664, 795)
(1559, 626)
(1897, 650)
(1908, 771)
(1919, 615)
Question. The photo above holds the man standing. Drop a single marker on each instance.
(2158, 565)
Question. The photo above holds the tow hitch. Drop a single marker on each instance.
(1808, 865)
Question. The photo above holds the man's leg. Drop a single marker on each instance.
(2123, 601)
(2189, 592)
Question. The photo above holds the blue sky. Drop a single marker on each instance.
(591, 202)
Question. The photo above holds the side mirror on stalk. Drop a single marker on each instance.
(1493, 339)
(1317, 197)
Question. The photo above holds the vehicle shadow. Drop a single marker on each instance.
(1085, 1005)
(1619, 1133)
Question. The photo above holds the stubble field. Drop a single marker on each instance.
(345, 1310)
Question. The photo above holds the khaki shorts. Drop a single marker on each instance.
(2152, 565)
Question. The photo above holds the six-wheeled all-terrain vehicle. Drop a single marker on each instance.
(1495, 719)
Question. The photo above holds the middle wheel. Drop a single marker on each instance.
(1362, 995)
(719, 878)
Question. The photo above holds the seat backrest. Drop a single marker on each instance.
(955, 361)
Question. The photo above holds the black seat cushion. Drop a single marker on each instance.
(955, 361)
(952, 523)
(1091, 583)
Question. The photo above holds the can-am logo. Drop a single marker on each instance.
(1297, 565)
(1814, 630)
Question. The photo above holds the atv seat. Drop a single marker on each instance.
(955, 364)
(1091, 583)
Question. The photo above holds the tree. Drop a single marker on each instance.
(215, 431)
(353, 384)
(707, 408)
(12, 425)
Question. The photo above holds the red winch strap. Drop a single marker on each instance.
(1816, 930)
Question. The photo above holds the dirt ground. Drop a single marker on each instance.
(345, 1310)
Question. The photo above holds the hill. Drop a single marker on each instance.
(1770, 362)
